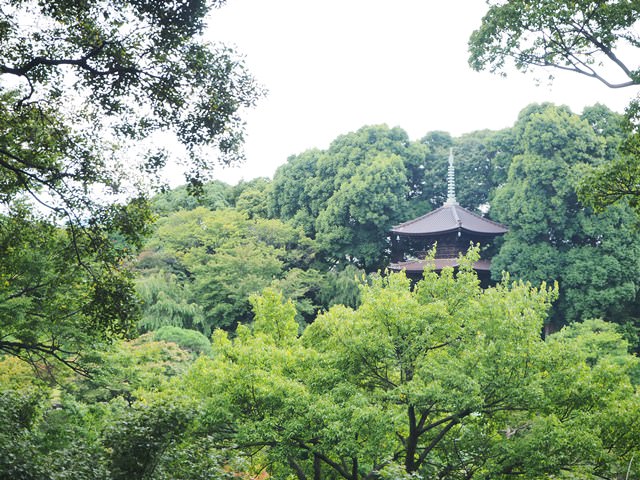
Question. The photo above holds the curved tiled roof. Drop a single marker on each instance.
(449, 218)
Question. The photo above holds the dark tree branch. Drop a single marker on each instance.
(317, 468)
(606, 50)
(576, 64)
(19, 172)
(336, 466)
(449, 418)
(297, 468)
(82, 62)
(24, 291)
(26, 352)
(435, 441)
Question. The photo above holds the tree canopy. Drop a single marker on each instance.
(585, 37)
(349, 196)
(142, 65)
(553, 235)
(441, 380)
(266, 344)
(200, 267)
(596, 39)
(80, 83)
(444, 380)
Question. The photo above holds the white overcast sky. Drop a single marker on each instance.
(333, 66)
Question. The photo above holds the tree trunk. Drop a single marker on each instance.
(317, 468)
(412, 442)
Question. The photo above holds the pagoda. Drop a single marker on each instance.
(451, 229)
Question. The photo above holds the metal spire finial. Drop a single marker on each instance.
(451, 182)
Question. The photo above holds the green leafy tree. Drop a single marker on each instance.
(252, 197)
(224, 284)
(594, 39)
(292, 197)
(128, 371)
(444, 380)
(190, 340)
(555, 236)
(474, 164)
(125, 54)
(275, 317)
(341, 287)
(52, 302)
(136, 441)
(303, 186)
(350, 195)
(354, 224)
(212, 195)
(200, 268)
(82, 82)
(117, 423)
(305, 288)
(18, 446)
(600, 339)
(608, 125)
(581, 36)
(165, 302)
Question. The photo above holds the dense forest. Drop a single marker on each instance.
(324, 218)
(217, 331)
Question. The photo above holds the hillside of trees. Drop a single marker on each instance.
(251, 331)
(271, 343)
(323, 220)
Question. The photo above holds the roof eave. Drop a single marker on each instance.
(441, 232)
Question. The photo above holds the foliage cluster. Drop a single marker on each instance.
(441, 379)
(554, 236)
(104, 427)
(201, 266)
(348, 196)
(80, 82)
(593, 39)
(327, 213)
(444, 380)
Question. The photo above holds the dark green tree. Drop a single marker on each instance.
(253, 197)
(349, 195)
(292, 198)
(348, 201)
(553, 235)
(353, 227)
(81, 82)
(595, 39)
(303, 186)
(474, 155)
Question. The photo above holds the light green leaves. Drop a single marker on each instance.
(274, 317)
(441, 379)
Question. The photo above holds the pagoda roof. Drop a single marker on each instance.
(451, 217)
